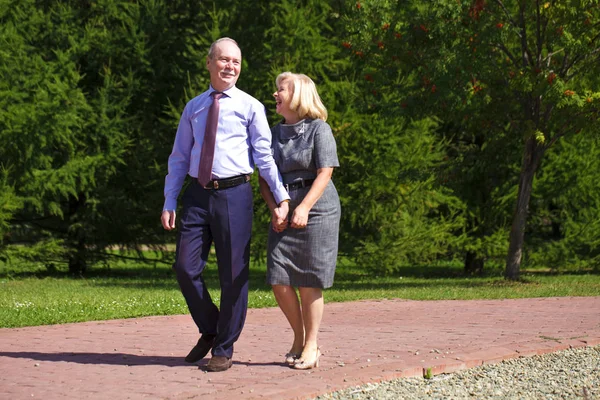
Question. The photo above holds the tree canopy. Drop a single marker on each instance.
(465, 130)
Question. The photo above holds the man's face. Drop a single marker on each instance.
(225, 65)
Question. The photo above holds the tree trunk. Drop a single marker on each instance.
(473, 264)
(531, 161)
(78, 259)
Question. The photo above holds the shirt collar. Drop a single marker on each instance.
(231, 92)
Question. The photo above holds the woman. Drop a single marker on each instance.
(302, 252)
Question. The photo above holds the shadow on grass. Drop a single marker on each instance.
(553, 272)
(347, 277)
(139, 277)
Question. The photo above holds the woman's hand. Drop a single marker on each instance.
(300, 217)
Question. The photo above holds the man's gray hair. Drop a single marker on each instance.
(211, 50)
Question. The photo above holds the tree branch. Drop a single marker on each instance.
(564, 129)
(512, 21)
(526, 53)
(506, 51)
(548, 58)
(597, 36)
(547, 113)
(539, 40)
(583, 60)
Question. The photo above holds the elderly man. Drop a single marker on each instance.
(223, 133)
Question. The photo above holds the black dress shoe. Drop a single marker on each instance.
(218, 364)
(201, 349)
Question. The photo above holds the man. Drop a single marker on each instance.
(217, 205)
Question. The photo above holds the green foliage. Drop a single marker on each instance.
(83, 88)
(437, 108)
(9, 203)
(497, 73)
(566, 209)
(395, 212)
(301, 39)
(428, 374)
(392, 210)
(279, 36)
(48, 160)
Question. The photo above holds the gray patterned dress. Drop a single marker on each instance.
(305, 257)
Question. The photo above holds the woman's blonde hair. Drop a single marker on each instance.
(305, 98)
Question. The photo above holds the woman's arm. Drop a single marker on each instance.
(300, 217)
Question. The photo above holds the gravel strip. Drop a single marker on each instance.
(568, 374)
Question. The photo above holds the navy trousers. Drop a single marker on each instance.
(224, 217)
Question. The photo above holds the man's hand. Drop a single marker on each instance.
(278, 224)
(279, 216)
(283, 210)
(168, 219)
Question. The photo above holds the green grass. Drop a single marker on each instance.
(31, 295)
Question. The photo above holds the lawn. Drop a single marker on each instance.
(31, 295)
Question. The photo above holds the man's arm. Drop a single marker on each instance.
(278, 212)
(179, 165)
(260, 139)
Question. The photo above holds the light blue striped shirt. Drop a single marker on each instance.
(243, 141)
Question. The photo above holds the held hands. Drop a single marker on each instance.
(279, 216)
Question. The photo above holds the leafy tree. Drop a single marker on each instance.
(506, 72)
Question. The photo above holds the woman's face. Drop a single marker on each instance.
(283, 98)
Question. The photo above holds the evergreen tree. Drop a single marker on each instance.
(564, 230)
(396, 212)
(278, 36)
(83, 123)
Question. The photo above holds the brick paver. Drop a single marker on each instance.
(366, 341)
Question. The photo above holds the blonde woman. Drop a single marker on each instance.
(302, 250)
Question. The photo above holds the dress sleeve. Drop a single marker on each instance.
(325, 148)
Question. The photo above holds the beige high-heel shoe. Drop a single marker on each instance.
(291, 358)
(304, 364)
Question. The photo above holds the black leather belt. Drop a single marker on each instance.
(227, 182)
(298, 184)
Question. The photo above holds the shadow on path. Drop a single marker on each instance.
(119, 359)
(99, 358)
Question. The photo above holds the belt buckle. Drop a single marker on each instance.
(215, 184)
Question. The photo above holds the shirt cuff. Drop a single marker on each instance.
(170, 205)
(281, 195)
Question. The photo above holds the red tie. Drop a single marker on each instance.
(208, 146)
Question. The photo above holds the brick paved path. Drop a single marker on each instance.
(366, 341)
